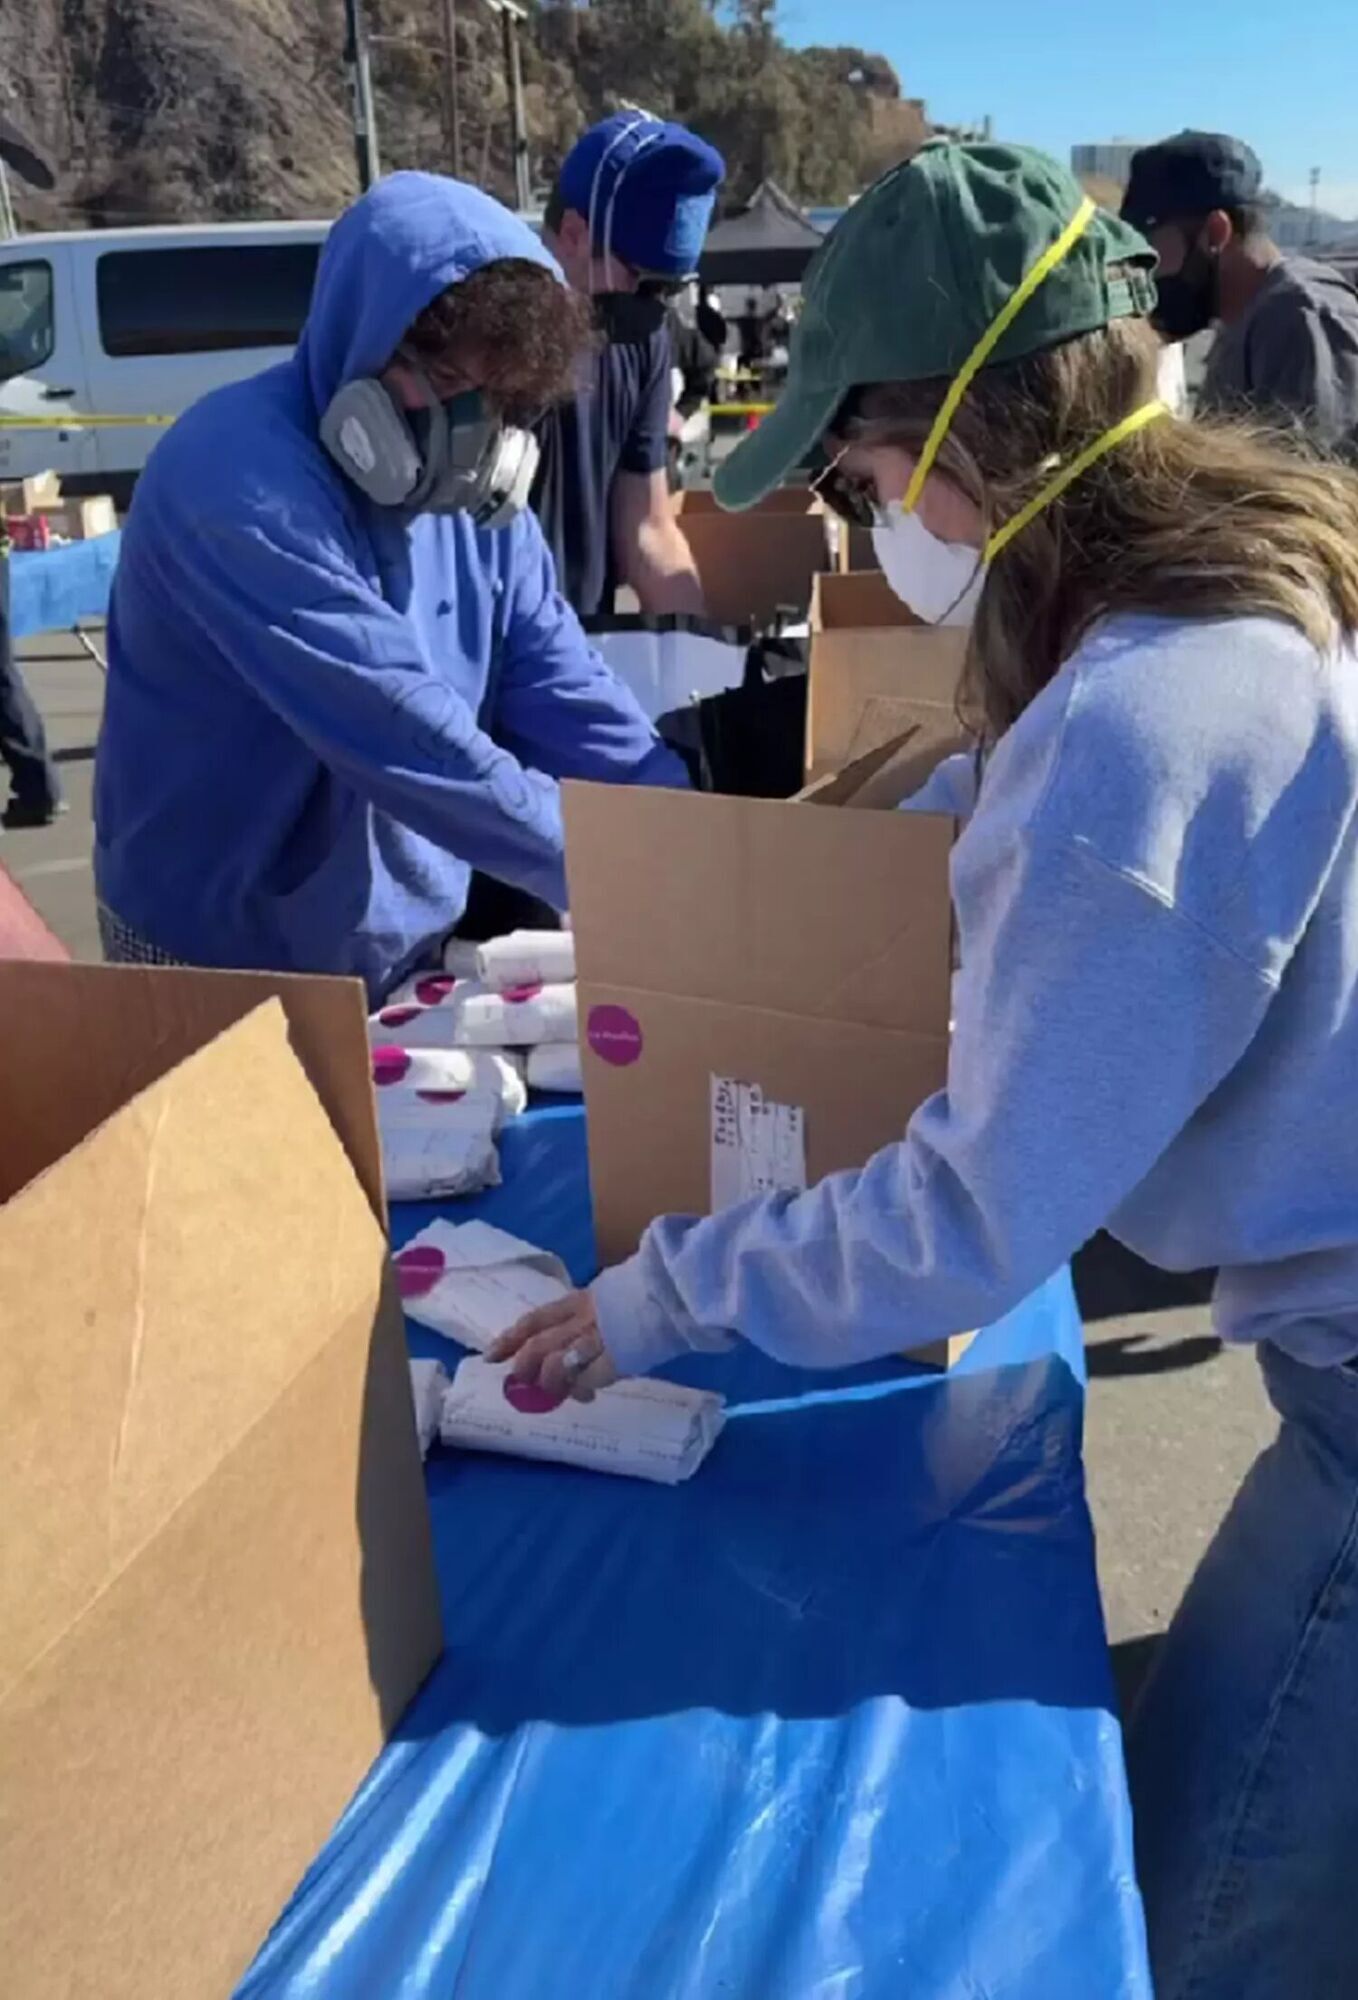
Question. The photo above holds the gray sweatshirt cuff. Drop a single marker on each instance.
(637, 1334)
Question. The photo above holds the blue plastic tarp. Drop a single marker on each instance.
(52, 589)
(833, 1719)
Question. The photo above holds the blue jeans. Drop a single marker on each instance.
(1243, 1750)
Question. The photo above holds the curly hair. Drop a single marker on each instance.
(511, 327)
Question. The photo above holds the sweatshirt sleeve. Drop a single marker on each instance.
(560, 707)
(345, 671)
(1092, 1020)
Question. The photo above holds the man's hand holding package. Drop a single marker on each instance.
(559, 1347)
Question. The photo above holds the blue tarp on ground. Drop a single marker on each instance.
(50, 589)
(835, 1718)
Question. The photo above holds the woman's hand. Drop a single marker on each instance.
(560, 1348)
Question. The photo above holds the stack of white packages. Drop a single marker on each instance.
(495, 1014)
(472, 1283)
(438, 1113)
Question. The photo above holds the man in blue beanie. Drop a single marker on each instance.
(626, 221)
(340, 672)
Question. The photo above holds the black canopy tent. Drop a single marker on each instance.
(769, 242)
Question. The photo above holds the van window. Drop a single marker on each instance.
(205, 297)
(27, 331)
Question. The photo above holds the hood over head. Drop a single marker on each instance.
(387, 257)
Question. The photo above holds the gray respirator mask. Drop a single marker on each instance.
(454, 457)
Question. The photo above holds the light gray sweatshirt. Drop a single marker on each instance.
(1156, 1030)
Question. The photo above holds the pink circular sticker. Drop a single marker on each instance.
(389, 1064)
(514, 994)
(418, 1269)
(440, 1096)
(530, 1399)
(396, 1017)
(614, 1035)
(433, 991)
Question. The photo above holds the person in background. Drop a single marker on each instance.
(1287, 342)
(340, 672)
(35, 789)
(627, 220)
(1156, 1008)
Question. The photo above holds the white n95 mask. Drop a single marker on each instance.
(941, 582)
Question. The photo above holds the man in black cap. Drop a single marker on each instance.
(1287, 345)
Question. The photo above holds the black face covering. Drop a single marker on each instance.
(629, 316)
(1187, 298)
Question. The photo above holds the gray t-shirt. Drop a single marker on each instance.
(1293, 354)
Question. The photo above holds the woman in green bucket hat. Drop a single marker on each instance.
(1156, 1026)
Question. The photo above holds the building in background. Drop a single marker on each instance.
(1104, 160)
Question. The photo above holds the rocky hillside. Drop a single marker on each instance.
(169, 110)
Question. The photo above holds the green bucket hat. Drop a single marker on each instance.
(915, 274)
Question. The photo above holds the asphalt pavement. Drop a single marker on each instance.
(1173, 1421)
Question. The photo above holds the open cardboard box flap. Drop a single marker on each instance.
(218, 1592)
(867, 649)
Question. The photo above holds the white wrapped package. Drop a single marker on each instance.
(428, 1387)
(641, 1430)
(460, 956)
(419, 1014)
(450, 1077)
(526, 958)
(431, 1151)
(521, 1017)
(555, 1066)
(471, 1282)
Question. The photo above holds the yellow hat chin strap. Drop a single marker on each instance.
(1055, 253)
(1138, 420)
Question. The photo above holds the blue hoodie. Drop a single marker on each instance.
(1155, 1030)
(322, 713)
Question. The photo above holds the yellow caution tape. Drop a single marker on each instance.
(740, 409)
(74, 420)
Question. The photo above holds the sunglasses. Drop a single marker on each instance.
(854, 500)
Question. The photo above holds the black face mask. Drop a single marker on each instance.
(629, 316)
(1186, 299)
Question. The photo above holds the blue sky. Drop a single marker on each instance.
(1057, 71)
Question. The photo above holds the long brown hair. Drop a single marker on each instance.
(1200, 519)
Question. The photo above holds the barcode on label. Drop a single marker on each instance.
(757, 1145)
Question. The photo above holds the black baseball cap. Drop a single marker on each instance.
(1190, 174)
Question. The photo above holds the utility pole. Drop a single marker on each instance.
(452, 110)
(356, 61)
(511, 13)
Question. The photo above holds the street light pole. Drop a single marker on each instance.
(452, 109)
(357, 63)
(511, 13)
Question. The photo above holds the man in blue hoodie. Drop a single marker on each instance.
(340, 672)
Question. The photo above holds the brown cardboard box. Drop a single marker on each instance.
(755, 564)
(21, 496)
(23, 934)
(218, 1592)
(80, 520)
(802, 946)
(871, 665)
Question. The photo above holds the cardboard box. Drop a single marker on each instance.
(872, 668)
(801, 947)
(80, 520)
(23, 934)
(21, 496)
(217, 1593)
(756, 564)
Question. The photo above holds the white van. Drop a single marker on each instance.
(138, 322)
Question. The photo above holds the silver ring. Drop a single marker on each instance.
(575, 1362)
